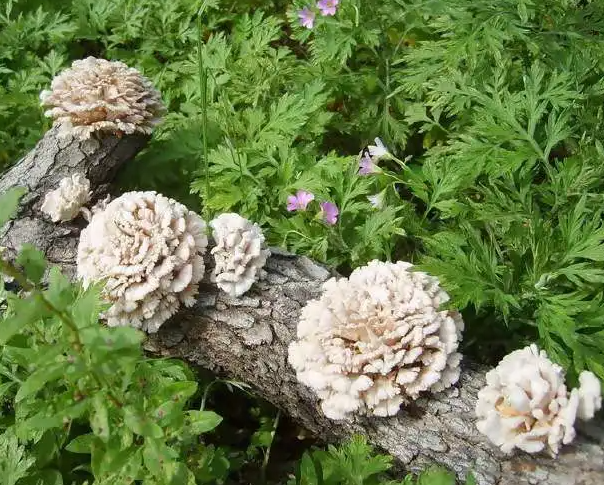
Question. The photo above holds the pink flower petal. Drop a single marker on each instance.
(330, 212)
(307, 18)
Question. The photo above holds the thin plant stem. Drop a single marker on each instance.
(267, 453)
(203, 90)
(206, 393)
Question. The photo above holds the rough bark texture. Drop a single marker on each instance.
(247, 339)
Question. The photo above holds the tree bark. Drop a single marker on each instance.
(247, 338)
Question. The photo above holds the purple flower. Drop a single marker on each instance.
(366, 166)
(328, 7)
(330, 212)
(307, 17)
(299, 201)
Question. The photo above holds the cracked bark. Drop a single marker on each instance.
(247, 338)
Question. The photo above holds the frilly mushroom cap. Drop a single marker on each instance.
(99, 95)
(149, 251)
(239, 253)
(525, 403)
(65, 203)
(376, 340)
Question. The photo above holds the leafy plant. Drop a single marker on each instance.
(354, 463)
(71, 386)
(510, 183)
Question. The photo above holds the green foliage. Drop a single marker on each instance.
(511, 181)
(69, 386)
(355, 463)
(492, 113)
(350, 463)
(9, 202)
(254, 114)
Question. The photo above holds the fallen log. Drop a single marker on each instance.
(247, 338)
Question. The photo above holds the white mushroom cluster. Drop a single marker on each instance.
(66, 202)
(377, 340)
(525, 403)
(148, 249)
(99, 95)
(239, 253)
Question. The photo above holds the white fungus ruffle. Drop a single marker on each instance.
(239, 253)
(149, 251)
(376, 340)
(525, 403)
(65, 203)
(99, 95)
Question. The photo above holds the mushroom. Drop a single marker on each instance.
(68, 200)
(148, 249)
(525, 403)
(377, 340)
(239, 253)
(96, 95)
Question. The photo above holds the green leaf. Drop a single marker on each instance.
(44, 477)
(308, 472)
(86, 309)
(130, 470)
(179, 474)
(155, 454)
(99, 419)
(41, 421)
(202, 421)
(39, 379)
(9, 203)
(81, 444)
(14, 459)
(262, 438)
(33, 262)
(60, 290)
(47, 448)
(110, 340)
(116, 459)
(180, 391)
(49, 418)
(436, 476)
(169, 411)
(4, 388)
(212, 465)
(96, 459)
(140, 424)
(25, 312)
(151, 458)
(470, 480)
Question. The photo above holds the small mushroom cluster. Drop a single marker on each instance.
(377, 340)
(66, 202)
(148, 249)
(239, 253)
(525, 403)
(96, 95)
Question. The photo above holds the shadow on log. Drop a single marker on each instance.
(247, 338)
